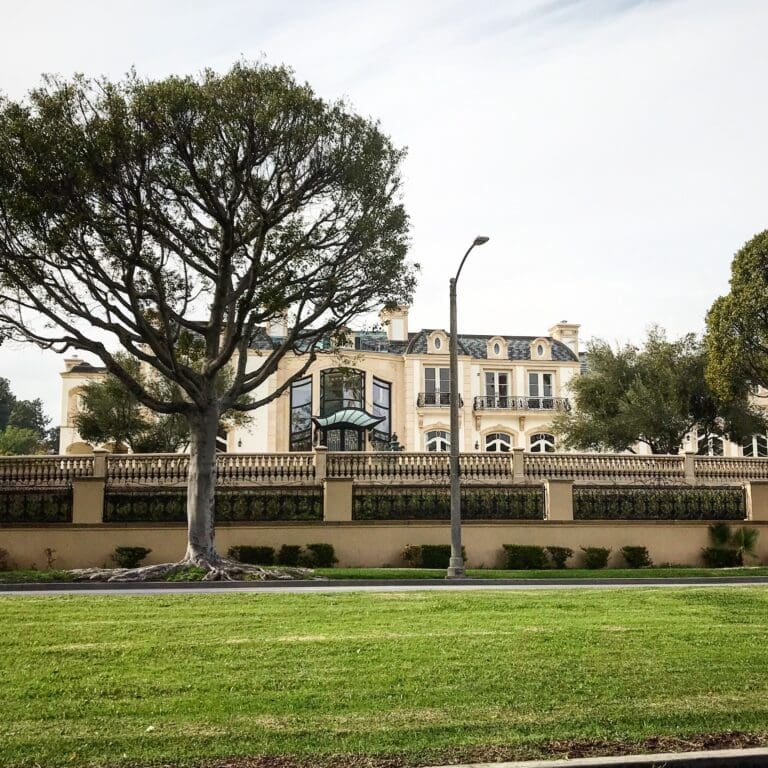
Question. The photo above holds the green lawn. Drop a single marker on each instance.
(22, 577)
(565, 573)
(98, 680)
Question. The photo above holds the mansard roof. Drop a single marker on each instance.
(476, 345)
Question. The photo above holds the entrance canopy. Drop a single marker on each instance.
(348, 418)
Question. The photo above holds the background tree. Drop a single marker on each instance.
(655, 395)
(111, 413)
(737, 325)
(135, 212)
(23, 424)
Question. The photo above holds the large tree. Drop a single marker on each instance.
(136, 213)
(737, 325)
(654, 396)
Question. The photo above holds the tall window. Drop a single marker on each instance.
(542, 443)
(497, 388)
(340, 388)
(382, 406)
(301, 415)
(540, 390)
(438, 441)
(710, 445)
(755, 446)
(498, 442)
(437, 386)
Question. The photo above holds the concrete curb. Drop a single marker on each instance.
(738, 758)
(88, 586)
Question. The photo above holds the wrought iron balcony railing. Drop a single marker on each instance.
(436, 400)
(524, 403)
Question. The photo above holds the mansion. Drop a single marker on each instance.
(390, 389)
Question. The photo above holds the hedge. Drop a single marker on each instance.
(658, 504)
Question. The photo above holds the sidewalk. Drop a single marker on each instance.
(736, 758)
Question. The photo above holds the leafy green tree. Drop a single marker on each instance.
(7, 401)
(28, 414)
(135, 212)
(655, 395)
(19, 442)
(737, 325)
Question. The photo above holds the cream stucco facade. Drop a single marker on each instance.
(511, 387)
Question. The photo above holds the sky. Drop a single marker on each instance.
(614, 151)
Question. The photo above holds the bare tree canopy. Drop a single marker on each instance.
(140, 214)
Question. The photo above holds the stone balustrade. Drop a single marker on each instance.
(236, 469)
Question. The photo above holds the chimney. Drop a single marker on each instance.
(277, 326)
(568, 334)
(70, 363)
(396, 322)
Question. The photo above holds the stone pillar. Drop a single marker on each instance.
(690, 467)
(88, 492)
(558, 499)
(321, 457)
(337, 499)
(518, 465)
(757, 500)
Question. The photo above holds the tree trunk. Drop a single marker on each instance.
(201, 488)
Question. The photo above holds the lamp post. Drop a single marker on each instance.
(456, 563)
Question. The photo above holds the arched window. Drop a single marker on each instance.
(498, 442)
(438, 441)
(542, 443)
(755, 446)
(710, 445)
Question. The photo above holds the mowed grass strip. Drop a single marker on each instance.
(97, 680)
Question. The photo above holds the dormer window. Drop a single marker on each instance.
(540, 350)
(496, 348)
(437, 341)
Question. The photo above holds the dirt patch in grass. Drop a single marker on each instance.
(501, 753)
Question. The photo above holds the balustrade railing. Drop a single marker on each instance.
(601, 467)
(44, 471)
(305, 469)
(524, 403)
(436, 400)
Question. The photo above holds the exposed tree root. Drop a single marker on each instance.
(217, 569)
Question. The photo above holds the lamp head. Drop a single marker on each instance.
(481, 239)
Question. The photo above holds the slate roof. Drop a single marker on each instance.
(476, 345)
(86, 368)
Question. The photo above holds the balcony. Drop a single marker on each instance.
(436, 400)
(525, 403)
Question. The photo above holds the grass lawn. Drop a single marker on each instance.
(99, 680)
(25, 577)
(564, 573)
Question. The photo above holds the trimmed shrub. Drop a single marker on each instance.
(289, 554)
(595, 557)
(721, 557)
(323, 555)
(129, 557)
(253, 555)
(559, 555)
(4, 560)
(437, 555)
(636, 557)
(522, 557)
(412, 555)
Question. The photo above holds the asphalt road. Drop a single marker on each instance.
(359, 585)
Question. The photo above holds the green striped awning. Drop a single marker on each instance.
(355, 418)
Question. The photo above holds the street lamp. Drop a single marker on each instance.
(456, 563)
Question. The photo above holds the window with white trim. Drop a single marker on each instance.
(540, 389)
(497, 388)
(437, 441)
(498, 442)
(437, 386)
(542, 442)
(755, 446)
